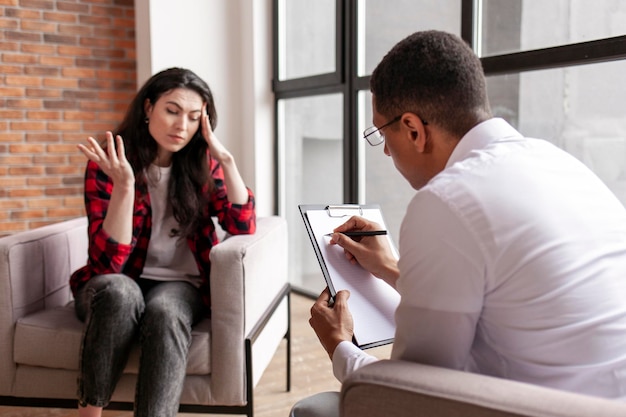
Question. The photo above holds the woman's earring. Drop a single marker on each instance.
(147, 120)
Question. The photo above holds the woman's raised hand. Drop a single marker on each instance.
(237, 191)
(111, 160)
(216, 148)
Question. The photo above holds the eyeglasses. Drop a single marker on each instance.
(374, 135)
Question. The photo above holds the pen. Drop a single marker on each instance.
(359, 233)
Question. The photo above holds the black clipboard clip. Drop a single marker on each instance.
(344, 210)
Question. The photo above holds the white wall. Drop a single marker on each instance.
(229, 44)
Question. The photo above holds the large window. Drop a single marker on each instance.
(311, 143)
(308, 37)
(555, 70)
(523, 25)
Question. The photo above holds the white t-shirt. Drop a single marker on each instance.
(169, 257)
(513, 264)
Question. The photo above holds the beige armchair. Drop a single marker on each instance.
(407, 389)
(40, 335)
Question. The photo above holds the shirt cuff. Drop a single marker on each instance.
(347, 358)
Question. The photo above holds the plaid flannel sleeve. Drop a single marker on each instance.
(235, 219)
(105, 254)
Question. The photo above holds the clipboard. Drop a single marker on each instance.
(372, 301)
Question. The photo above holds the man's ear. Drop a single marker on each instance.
(415, 129)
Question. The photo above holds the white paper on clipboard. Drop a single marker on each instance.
(372, 301)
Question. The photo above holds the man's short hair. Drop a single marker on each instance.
(435, 75)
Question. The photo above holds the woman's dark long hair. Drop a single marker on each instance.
(190, 179)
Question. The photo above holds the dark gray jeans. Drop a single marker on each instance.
(116, 310)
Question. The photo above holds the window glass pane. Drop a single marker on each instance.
(307, 35)
(310, 137)
(381, 183)
(512, 26)
(580, 109)
(383, 23)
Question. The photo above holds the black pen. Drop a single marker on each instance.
(359, 233)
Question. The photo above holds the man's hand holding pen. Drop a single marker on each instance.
(371, 252)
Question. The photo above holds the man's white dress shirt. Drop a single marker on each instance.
(512, 264)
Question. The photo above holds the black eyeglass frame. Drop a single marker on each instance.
(367, 133)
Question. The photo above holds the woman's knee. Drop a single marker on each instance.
(116, 294)
(169, 311)
(161, 315)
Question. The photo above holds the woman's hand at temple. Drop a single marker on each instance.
(237, 191)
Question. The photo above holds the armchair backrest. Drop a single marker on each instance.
(35, 266)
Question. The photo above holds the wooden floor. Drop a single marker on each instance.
(310, 373)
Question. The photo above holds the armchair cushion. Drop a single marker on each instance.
(60, 332)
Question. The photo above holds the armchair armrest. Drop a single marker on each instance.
(35, 267)
(403, 389)
(247, 272)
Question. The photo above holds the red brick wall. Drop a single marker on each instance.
(67, 71)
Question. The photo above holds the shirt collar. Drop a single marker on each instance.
(480, 136)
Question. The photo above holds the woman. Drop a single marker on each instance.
(150, 194)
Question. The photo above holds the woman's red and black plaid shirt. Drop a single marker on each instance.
(106, 256)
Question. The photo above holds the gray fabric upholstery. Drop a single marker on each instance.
(60, 332)
(40, 335)
(323, 404)
(402, 389)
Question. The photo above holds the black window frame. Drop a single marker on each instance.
(345, 78)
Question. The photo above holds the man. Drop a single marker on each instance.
(512, 253)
